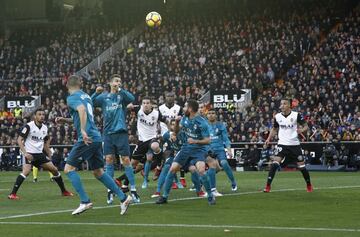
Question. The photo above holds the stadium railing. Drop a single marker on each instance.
(2, 103)
(123, 42)
(315, 150)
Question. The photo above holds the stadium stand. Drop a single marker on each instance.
(308, 52)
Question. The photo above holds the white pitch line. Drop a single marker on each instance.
(186, 225)
(175, 200)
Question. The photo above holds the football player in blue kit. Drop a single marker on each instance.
(88, 147)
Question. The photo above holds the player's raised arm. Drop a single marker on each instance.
(116, 87)
(128, 97)
(96, 98)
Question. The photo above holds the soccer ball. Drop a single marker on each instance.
(153, 19)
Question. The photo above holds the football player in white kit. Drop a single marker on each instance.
(170, 110)
(288, 148)
(33, 142)
(149, 146)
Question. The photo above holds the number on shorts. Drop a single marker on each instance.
(278, 150)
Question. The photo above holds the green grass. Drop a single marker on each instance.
(335, 204)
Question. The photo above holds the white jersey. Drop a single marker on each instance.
(288, 125)
(148, 124)
(170, 113)
(34, 137)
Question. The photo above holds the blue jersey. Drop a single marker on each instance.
(171, 145)
(81, 98)
(207, 121)
(219, 136)
(196, 128)
(113, 106)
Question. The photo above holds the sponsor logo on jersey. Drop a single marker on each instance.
(148, 123)
(287, 126)
(213, 136)
(38, 139)
(113, 106)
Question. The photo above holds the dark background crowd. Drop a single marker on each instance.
(306, 50)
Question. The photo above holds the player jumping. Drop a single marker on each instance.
(116, 138)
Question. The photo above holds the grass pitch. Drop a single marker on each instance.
(333, 209)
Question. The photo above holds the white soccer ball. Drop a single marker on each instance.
(153, 19)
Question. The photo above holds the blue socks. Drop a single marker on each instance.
(110, 184)
(76, 183)
(161, 181)
(168, 183)
(206, 182)
(129, 171)
(147, 169)
(228, 171)
(109, 169)
(212, 176)
(195, 178)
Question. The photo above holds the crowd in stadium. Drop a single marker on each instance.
(310, 58)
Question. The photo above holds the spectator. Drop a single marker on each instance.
(265, 156)
(344, 155)
(274, 53)
(252, 158)
(307, 157)
(18, 112)
(5, 160)
(330, 155)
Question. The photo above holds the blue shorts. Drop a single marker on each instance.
(219, 155)
(117, 143)
(187, 156)
(92, 153)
